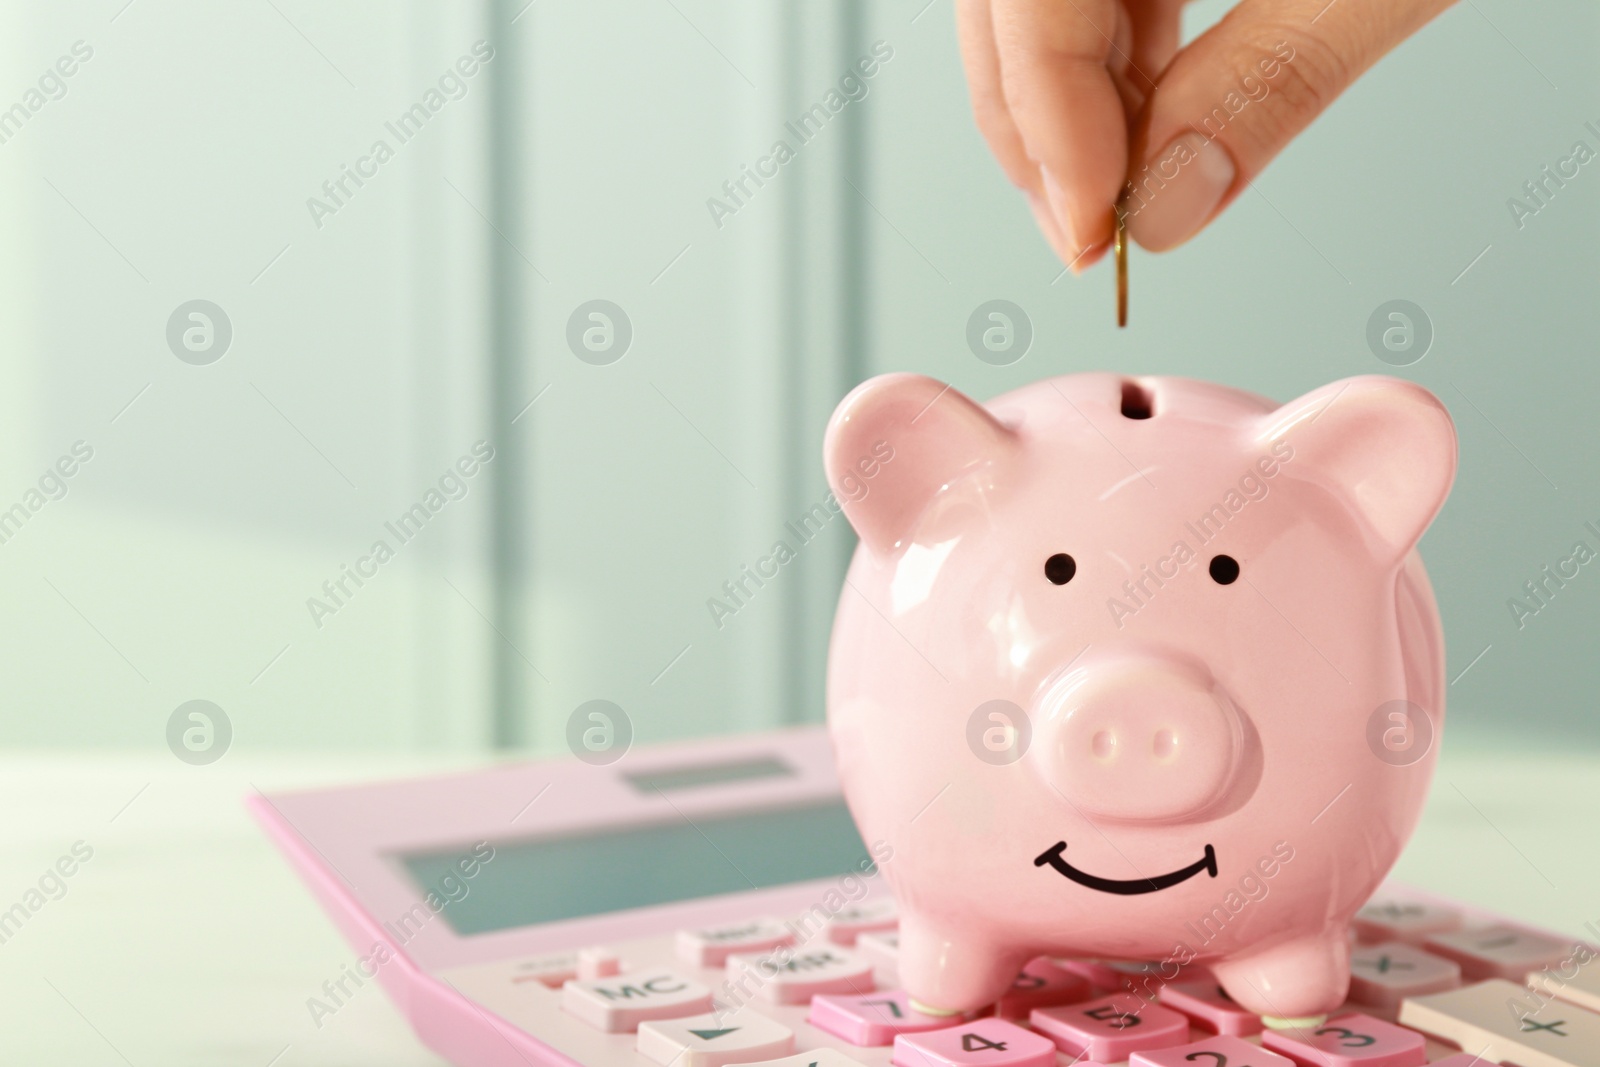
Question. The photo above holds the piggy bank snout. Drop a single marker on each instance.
(1144, 741)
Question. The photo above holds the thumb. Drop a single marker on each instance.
(1239, 93)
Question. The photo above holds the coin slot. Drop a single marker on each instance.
(1137, 401)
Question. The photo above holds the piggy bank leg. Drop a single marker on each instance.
(1292, 980)
(949, 973)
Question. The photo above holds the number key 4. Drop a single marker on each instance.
(987, 1042)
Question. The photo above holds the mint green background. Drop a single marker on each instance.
(431, 310)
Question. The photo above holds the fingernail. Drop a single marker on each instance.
(1177, 190)
(1047, 226)
(1057, 198)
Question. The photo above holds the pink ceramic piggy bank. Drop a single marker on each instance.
(1137, 669)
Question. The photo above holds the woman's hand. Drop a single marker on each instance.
(1081, 99)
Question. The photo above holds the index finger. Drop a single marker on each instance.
(1055, 63)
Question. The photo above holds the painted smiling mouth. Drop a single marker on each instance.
(1132, 887)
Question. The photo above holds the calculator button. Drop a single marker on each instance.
(1404, 920)
(598, 962)
(618, 1005)
(1350, 1041)
(881, 947)
(857, 919)
(1381, 976)
(1212, 1052)
(987, 1042)
(872, 1018)
(817, 1057)
(712, 947)
(551, 971)
(786, 977)
(1498, 951)
(714, 1040)
(1209, 1007)
(1480, 1019)
(1575, 979)
(1042, 985)
(1111, 1028)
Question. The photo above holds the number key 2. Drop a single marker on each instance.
(1111, 1028)
(1219, 1051)
(1350, 1041)
(987, 1042)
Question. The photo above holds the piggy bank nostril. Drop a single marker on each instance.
(1103, 744)
(1138, 739)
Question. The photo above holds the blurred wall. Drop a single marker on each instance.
(643, 457)
(341, 377)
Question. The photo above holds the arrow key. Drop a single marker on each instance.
(714, 1040)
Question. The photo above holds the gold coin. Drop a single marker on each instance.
(1120, 247)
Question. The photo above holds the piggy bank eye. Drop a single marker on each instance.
(1060, 568)
(1224, 569)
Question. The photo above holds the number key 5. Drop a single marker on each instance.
(1111, 1028)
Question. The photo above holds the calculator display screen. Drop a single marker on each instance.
(547, 879)
(651, 782)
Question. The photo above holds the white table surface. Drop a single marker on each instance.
(187, 940)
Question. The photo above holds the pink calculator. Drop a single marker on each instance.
(711, 903)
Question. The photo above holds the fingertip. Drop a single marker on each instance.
(1089, 257)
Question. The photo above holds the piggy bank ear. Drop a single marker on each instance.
(1386, 445)
(898, 439)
